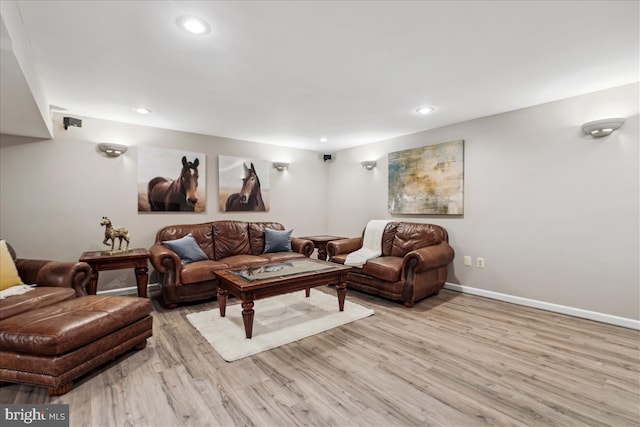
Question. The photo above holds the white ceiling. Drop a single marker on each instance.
(288, 73)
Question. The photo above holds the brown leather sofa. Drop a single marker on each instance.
(55, 333)
(413, 264)
(227, 244)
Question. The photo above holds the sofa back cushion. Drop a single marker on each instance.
(387, 238)
(230, 238)
(256, 235)
(202, 233)
(410, 236)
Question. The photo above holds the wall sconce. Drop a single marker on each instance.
(112, 150)
(280, 165)
(600, 128)
(368, 164)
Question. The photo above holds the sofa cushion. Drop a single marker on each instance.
(187, 249)
(277, 240)
(256, 235)
(387, 238)
(201, 271)
(387, 268)
(8, 272)
(40, 297)
(230, 238)
(411, 236)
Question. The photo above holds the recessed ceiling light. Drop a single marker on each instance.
(323, 139)
(193, 25)
(424, 110)
(141, 110)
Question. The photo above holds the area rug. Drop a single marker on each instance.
(277, 321)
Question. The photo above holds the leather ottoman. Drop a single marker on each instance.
(51, 346)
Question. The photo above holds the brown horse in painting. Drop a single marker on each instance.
(175, 195)
(250, 197)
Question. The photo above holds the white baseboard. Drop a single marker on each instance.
(128, 291)
(563, 309)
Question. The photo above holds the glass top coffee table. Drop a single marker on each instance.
(254, 283)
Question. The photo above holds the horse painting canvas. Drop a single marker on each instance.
(171, 181)
(244, 185)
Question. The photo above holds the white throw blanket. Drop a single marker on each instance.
(16, 290)
(371, 245)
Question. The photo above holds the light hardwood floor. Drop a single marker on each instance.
(452, 360)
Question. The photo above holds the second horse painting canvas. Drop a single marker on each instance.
(244, 184)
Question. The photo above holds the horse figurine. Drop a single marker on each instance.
(112, 233)
(175, 195)
(250, 197)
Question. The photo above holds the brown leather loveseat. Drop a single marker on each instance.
(413, 264)
(226, 244)
(54, 333)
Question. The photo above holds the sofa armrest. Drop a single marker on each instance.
(429, 257)
(62, 274)
(163, 258)
(302, 246)
(343, 246)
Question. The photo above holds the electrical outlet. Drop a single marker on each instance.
(467, 261)
(480, 262)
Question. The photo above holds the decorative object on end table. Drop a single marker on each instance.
(112, 233)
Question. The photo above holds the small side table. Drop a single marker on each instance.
(108, 260)
(320, 242)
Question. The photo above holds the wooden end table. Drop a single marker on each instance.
(320, 243)
(115, 260)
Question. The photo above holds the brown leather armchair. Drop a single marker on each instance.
(413, 264)
(59, 274)
(55, 281)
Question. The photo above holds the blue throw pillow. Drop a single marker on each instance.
(186, 248)
(277, 240)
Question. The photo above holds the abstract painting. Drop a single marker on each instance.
(427, 180)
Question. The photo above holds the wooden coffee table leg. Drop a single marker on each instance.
(247, 317)
(342, 293)
(222, 301)
(307, 292)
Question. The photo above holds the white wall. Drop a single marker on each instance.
(554, 212)
(54, 193)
